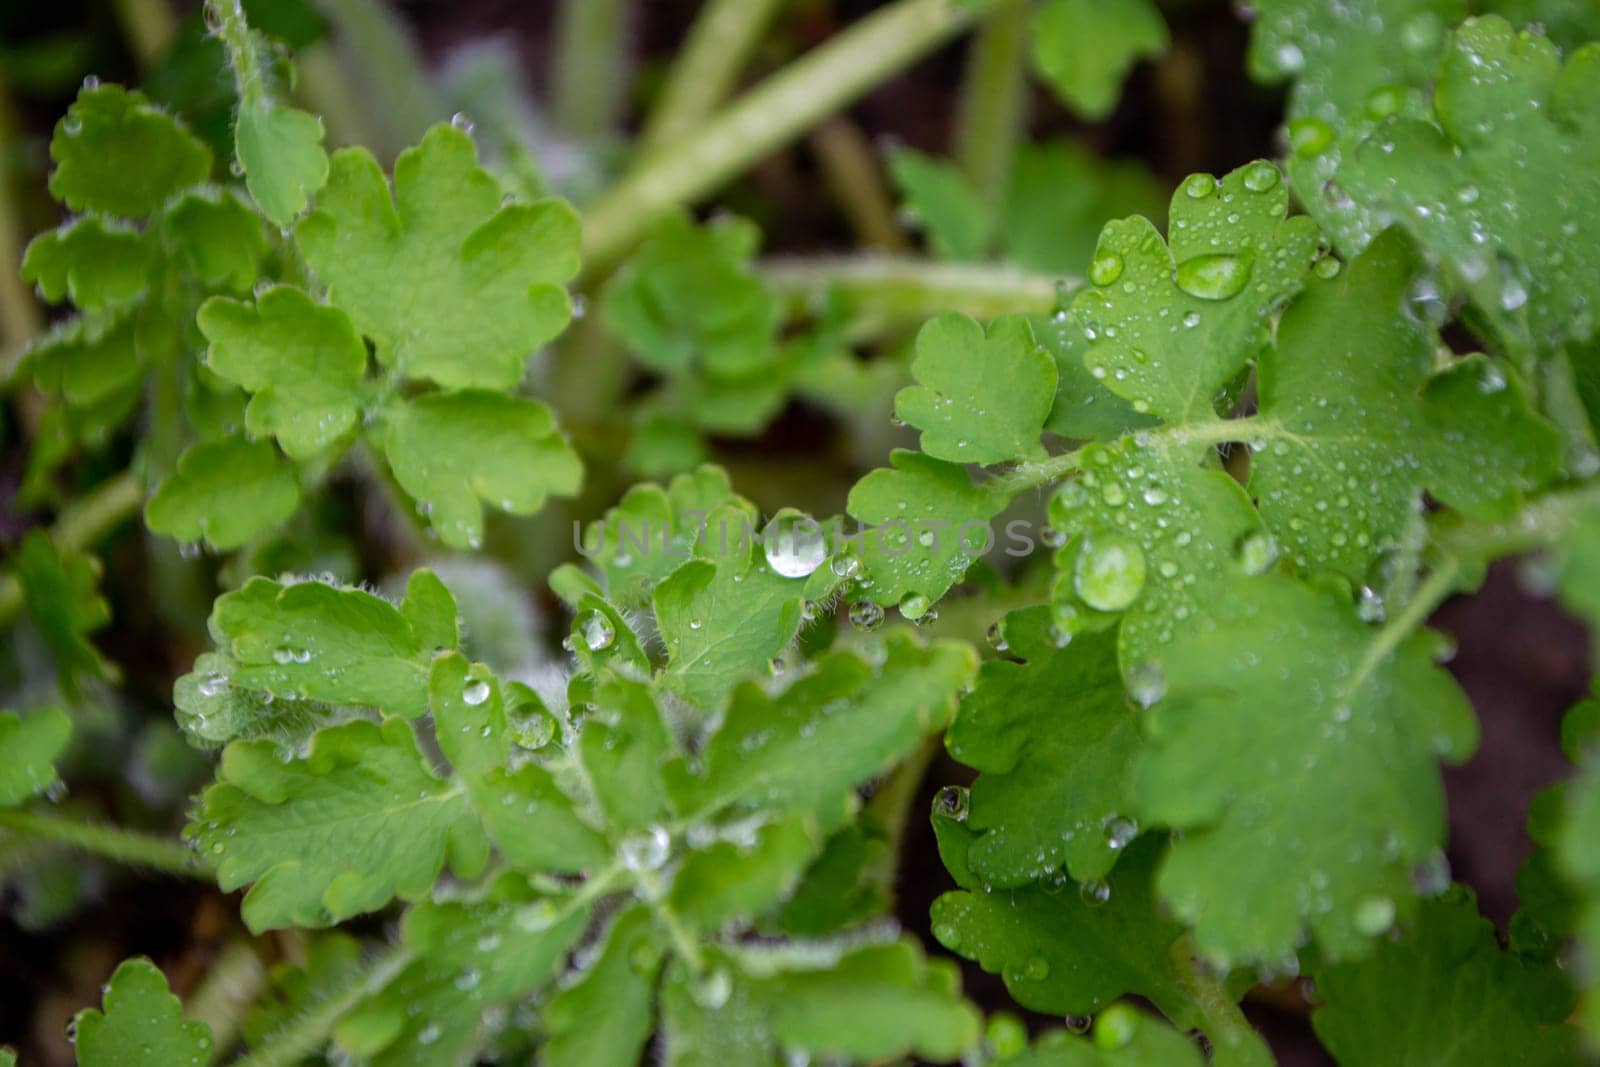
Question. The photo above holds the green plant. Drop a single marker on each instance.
(1265, 445)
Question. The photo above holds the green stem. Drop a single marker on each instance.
(718, 45)
(891, 807)
(243, 49)
(80, 525)
(767, 117)
(891, 290)
(19, 312)
(591, 67)
(1234, 1041)
(853, 173)
(232, 982)
(377, 47)
(111, 842)
(991, 115)
(302, 1037)
(1540, 523)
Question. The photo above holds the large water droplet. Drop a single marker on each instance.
(914, 606)
(1109, 572)
(1106, 268)
(1374, 915)
(865, 615)
(1309, 136)
(1094, 892)
(1199, 186)
(475, 692)
(1257, 551)
(1147, 683)
(953, 802)
(596, 631)
(794, 546)
(1214, 277)
(646, 851)
(712, 989)
(1260, 176)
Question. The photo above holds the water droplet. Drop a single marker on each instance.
(953, 802)
(1309, 136)
(997, 638)
(1109, 572)
(428, 1034)
(844, 566)
(596, 631)
(91, 82)
(212, 684)
(1214, 277)
(865, 615)
(646, 851)
(713, 989)
(462, 122)
(1256, 551)
(1147, 683)
(1327, 267)
(1422, 34)
(1369, 605)
(1078, 1024)
(1191, 320)
(1094, 892)
(1385, 101)
(914, 606)
(1051, 537)
(283, 656)
(1260, 176)
(1432, 876)
(1374, 915)
(1199, 186)
(475, 692)
(1106, 268)
(794, 546)
(1119, 831)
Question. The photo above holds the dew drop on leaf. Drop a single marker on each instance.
(1199, 186)
(997, 638)
(866, 615)
(1260, 176)
(1214, 277)
(646, 851)
(1109, 573)
(712, 989)
(1119, 831)
(953, 802)
(1309, 136)
(1106, 268)
(475, 692)
(1374, 915)
(1094, 892)
(794, 547)
(596, 631)
(1257, 551)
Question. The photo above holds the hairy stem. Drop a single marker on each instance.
(81, 524)
(591, 67)
(232, 982)
(992, 110)
(766, 118)
(110, 842)
(892, 807)
(718, 45)
(1234, 1041)
(894, 290)
(304, 1035)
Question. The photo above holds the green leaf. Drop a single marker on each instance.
(841, 889)
(1058, 198)
(89, 361)
(741, 874)
(1445, 994)
(31, 745)
(979, 399)
(332, 964)
(224, 493)
(1171, 324)
(142, 1024)
(623, 749)
(1054, 741)
(927, 523)
(1122, 1037)
(1577, 858)
(61, 593)
(653, 530)
(454, 452)
(311, 640)
(301, 362)
(473, 958)
(214, 236)
(116, 152)
(212, 711)
(809, 746)
(691, 302)
(1085, 48)
(341, 831)
(1157, 530)
(102, 264)
(1506, 188)
(944, 203)
(1349, 437)
(1060, 948)
(727, 613)
(280, 149)
(450, 285)
(605, 1017)
(1294, 730)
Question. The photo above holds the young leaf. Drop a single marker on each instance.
(1171, 324)
(89, 361)
(343, 830)
(1504, 189)
(1294, 729)
(116, 152)
(1060, 195)
(142, 1024)
(61, 592)
(224, 493)
(311, 640)
(301, 362)
(653, 530)
(454, 452)
(482, 282)
(1445, 994)
(623, 750)
(280, 149)
(1084, 49)
(102, 264)
(979, 399)
(927, 523)
(606, 1016)
(214, 236)
(1065, 949)
(31, 745)
(943, 203)
(1054, 741)
(742, 874)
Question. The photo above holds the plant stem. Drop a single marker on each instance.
(891, 290)
(150, 26)
(1234, 1041)
(243, 50)
(853, 174)
(303, 1036)
(81, 524)
(111, 842)
(591, 67)
(718, 43)
(766, 118)
(375, 44)
(992, 111)
(891, 807)
(232, 982)
(1539, 523)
